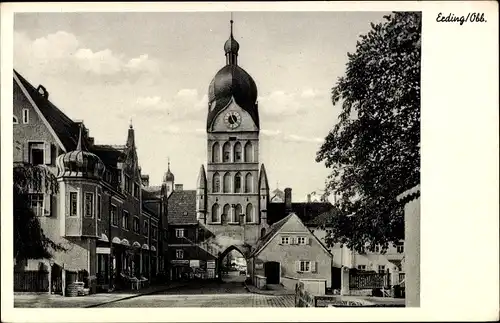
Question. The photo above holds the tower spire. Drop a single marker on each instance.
(231, 47)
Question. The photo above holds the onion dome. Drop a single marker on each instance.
(232, 82)
(168, 177)
(80, 163)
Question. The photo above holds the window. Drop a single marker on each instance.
(136, 190)
(146, 228)
(26, 116)
(216, 153)
(237, 213)
(135, 225)
(179, 233)
(249, 214)
(248, 152)
(89, 205)
(400, 248)
(285, 240)
(227, 183)
(99, 207)
(248, 183)
(128, 185)
(381, 269)
(226, 152)
(125, 220)
(215, 213)
(361, 267)
(154, 232)
(216, 183)
(36, 203)
(114, 215)
(305, 266)
(179, 253)
(37, 153)
(226, 212)
(237, 152)
(15, 120)
(237, 183)
(73, 203)
(301, 240)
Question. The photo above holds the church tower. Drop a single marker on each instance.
(235, 186)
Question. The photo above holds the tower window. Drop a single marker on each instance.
(89, 205)
(215, 213)
(226, 151)
(227, 183)
(216, 153)
(249, 215)
(226, 212)
(248, 183)
(216, 183)
(237, 213)
(73, 203)
(237, 183)
(248, 152)
(237, 152)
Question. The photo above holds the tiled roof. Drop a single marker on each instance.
(269, 235)
(182, 207)
(195, 253)
(108, 154)
(326, 218)
(305, 211)
(66, 129)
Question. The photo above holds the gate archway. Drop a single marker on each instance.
(232, 270)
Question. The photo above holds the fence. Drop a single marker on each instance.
(31, 281)
(369, 280)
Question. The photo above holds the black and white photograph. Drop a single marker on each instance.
(216, 159)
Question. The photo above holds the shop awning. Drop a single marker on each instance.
(153, 248)
(125, 242)
(136, 244)
(104, 238)
(116, 240)
(145, 247)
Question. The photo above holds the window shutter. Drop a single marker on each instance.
(308, 241)
(47, 153)
(26, 152)
(294, 240)
(313, 266)
(47, 204)
(297, 266)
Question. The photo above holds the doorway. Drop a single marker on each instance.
(272, 272)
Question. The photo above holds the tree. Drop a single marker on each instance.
(374, 149)
(29, 240)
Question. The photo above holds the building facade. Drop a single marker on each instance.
(97, 214)
(233, 192)
(297, 253)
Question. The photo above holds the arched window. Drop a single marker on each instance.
(249, 183)
(216, 183)
(237, 153)
(226, 213)
(237, 183)
(249, 213)
(216, 153)
(248, 152)
(237, 213)
(226, 153)
(15, 120)
(227, 183)
(215, 213)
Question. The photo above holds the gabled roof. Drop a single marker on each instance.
(305, 211)
(182, 207)
(64, 128)
(273, 229)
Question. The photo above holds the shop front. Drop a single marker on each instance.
(180, 269)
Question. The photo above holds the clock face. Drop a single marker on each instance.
(232, 119)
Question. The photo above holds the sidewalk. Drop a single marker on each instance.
(46, 300)
(274, 292)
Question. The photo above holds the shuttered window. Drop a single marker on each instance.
(304, 266)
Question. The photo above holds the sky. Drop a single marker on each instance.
(154, 69)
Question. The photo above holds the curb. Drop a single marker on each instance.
(133, 296)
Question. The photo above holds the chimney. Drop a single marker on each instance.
(308, 198)
(43, 92)
(145, 180)
(288, 199)
(179, 187)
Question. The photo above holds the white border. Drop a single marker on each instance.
(459, 170)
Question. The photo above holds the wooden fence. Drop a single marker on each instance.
(31, 281)
(369, 280)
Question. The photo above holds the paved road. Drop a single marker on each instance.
(230, 293)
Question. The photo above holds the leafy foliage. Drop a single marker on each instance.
(29, 240)
(374, 149)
